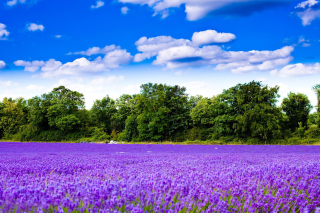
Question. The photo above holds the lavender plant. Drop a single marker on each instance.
(37, 177)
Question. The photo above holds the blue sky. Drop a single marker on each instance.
(111, 47)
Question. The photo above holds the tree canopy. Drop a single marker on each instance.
(245, 112)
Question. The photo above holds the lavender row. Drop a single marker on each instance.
(112, 178)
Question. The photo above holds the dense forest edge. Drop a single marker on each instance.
(243, 114)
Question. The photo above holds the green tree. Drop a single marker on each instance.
(57, 110)
(12, 117)
(203, 117)
(125, 107)
(316, 89)
(248, 110)
(102, 113)
(162, 112)
(297, 107)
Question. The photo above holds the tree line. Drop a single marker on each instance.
(246, 113)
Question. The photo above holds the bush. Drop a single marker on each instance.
(313, 131)
(294, 141)
(122, 136)
(99, 135)
(253, 141)
(226, 139)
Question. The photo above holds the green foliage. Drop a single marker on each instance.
(163, 112)
(131, 128)
(99, 135)
(313, 131)
(243, 114)
(12, 117)
(122, 136)
(194, 134)
(102, 112)
(244, 111)
(297, 108)
(67, 123)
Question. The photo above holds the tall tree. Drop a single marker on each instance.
(248, 110)
(162, 112)
(297, 107)
(57, 110)
(316, 89)
(12, 117)
(102, 113)
(125, 106)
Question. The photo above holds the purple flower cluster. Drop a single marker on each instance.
(40, 177)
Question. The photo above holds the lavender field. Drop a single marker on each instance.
(43, 177)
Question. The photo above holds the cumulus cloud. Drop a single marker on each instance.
(35, 27)
(174, 53)
(53, 68)
(4, 33)
(97, 50)
(98, 4)
(2, 64)
(197, 9)
(30, 66)
(297, 70)
(124, 10)
(152, 46)
(237, 62)
(308, 11)
(211, 36)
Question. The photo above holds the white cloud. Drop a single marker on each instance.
(2, 64)
(35, 27)
(152, 46)
(97, 50)
(174, 53)
(308, 3)
(58, 36)
(124, 10)
(184, 56)
(14, 2)
(297, 70)
(197, 9)
(98, 4)
(30, 66)
(33, 87)
(308, 11)
(53, 68)
(211, 36)
(306, 45)
(4, 33)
